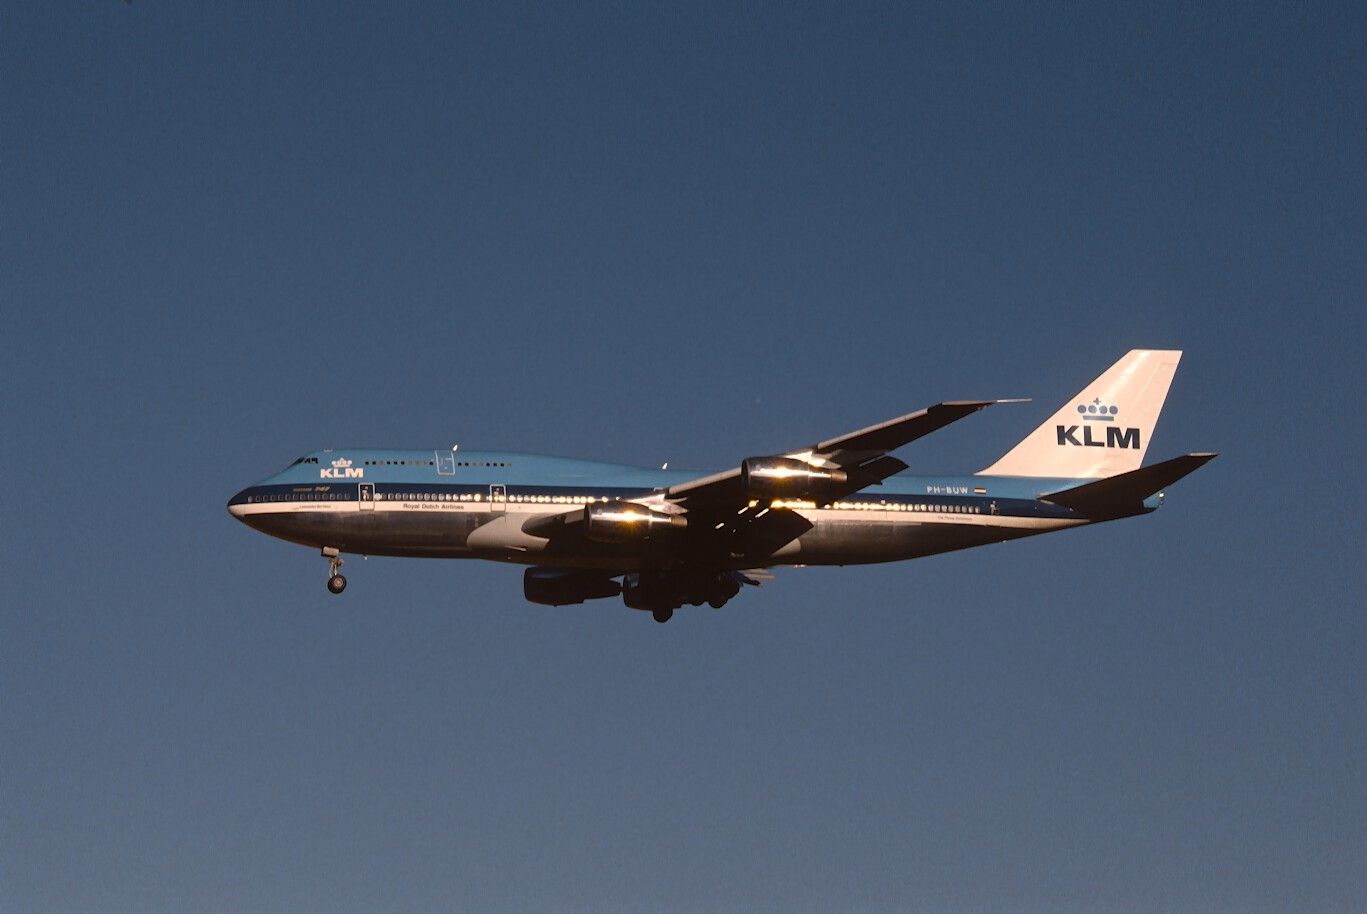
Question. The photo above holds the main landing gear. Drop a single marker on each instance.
(660, 593)
(336, 583)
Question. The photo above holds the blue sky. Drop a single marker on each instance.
(234, 233)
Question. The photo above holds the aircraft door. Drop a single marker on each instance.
(365, 495)
(498, 498)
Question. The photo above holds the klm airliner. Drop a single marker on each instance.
(663, 538)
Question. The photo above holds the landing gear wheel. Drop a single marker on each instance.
(662, 615)
(724, 590)
(336, 583)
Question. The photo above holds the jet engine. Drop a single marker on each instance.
(767, 478)
(627, 522)
(564, 586)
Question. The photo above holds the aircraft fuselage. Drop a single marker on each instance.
(676, 537)
(439, 504)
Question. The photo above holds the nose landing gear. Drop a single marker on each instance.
(336, 583)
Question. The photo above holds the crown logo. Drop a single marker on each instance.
(341, 463)
(1096, 411)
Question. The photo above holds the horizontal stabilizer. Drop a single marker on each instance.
(1118, 496)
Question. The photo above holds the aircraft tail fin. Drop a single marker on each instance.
(1105, 429)
(1123, 495)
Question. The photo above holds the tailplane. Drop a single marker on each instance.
(1123, 495)
(1105, 429)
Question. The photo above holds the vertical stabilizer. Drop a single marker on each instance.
(1102, 431)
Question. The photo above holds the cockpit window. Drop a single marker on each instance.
(304, 460)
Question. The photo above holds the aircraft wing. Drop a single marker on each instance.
(739, 512)
(860, 456)
(858, 447)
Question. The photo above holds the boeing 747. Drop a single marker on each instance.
(661, 539)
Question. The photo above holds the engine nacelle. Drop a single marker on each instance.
(768, 478)
(564, 586)
(627, 522)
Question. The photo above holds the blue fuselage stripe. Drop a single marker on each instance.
(564, 482)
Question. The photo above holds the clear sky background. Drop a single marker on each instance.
(233, 233)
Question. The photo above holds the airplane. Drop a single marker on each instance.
(664, 538)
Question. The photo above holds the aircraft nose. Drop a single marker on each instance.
(237, 505)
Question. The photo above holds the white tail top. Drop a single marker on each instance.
(1102, 431)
